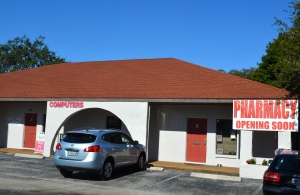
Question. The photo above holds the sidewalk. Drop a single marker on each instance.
(20, 151)
(166, 165)
(232, 171)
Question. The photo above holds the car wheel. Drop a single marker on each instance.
(65, 172)
(108, 169)
(140, 163)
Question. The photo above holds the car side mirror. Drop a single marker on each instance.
(135, 142)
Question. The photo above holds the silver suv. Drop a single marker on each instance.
(99, 150)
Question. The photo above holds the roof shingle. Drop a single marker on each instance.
(165, 78)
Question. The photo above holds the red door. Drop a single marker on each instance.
(30, 130)
(196, 140)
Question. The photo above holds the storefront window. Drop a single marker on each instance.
(264, 143)
(226, 137)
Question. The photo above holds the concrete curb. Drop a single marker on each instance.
(29, 156)
(216, 177)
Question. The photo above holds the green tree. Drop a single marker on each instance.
(221, 70)
(280, 67)
(289, 60)
(244, 73)
(21, 53)
(269, 69)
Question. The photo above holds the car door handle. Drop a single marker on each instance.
(113, 149)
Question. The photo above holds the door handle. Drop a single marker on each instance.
(204, 140)
(113, 149)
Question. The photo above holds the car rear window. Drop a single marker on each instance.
(288, 163)
(79, 138)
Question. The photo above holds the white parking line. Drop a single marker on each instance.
(29, 156)
(259, 189)
(165, 180)
(155, 169)
(216, 177)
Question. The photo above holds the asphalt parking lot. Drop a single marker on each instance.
(19, 175)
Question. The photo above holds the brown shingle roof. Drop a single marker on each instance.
(166, 78)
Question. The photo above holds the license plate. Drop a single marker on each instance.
(296, 181)
(71, 153)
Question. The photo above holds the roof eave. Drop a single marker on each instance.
(170, 100)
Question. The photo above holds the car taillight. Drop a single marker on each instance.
(58, 146)
(272, 177)
(92, 149)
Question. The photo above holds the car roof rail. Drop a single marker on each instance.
(85, 129)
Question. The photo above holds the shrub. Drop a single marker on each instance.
(251, 161)
(265, 163)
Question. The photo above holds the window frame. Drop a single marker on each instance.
(237, 138)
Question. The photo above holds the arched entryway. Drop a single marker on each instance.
(65, 116)
(90, 117)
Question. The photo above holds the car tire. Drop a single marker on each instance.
(65, 172)
(140, 165)
(108, 169)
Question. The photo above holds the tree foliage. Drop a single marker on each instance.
(269, 69)
(244, 73)
(21, 53)
(280, 67)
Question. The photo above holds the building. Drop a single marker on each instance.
(182, 112)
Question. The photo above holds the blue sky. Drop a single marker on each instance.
(217, 34)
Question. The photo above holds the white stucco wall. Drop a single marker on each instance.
(246, 145)
(133, 114)
(167, 133)
(169, 151)
(284, 140)
(12, 136)
(252, 171)
(167, 128)
(257, 171)
(15, 135)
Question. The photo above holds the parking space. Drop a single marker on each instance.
(39, 176)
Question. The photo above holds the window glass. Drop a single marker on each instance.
(117, 138)
(288, 163)
(226, 137)
(113, 138)
(79, 138)
(126, 139)
(264, 143)
(107, 136)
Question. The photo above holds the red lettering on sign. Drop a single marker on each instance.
(293, 106)
(66, 104)
(265, 125)
(264, 109)
(236, 107)
(259, 109)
